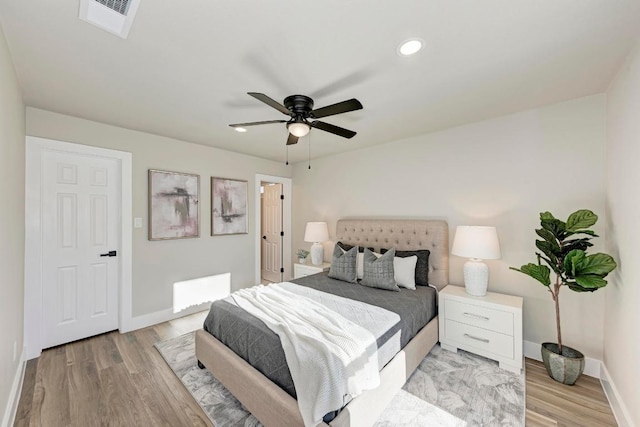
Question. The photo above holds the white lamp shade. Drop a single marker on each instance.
(476, 242)
(316, 232)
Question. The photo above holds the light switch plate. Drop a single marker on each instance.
(137, 223)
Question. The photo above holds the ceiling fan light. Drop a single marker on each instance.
(240, 129)
(298, 129)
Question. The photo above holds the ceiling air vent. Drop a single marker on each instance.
(119, 6)
(114, 16)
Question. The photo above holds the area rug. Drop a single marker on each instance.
(447, 389)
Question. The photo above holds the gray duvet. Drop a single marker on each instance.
(252, 340)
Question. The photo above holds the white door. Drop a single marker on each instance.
(272, 233)
(80, 227)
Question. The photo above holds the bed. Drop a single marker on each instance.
(274, 404)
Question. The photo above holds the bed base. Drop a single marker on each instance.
(275, 408)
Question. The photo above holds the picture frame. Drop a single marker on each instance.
(229, 207)
(174, 211)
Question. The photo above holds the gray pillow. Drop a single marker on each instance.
(343, 264)
(378, 272)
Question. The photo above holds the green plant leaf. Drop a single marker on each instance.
(555, 227)
(580, 220)
(596, 264)
(546, 216)
(550, 252)
(589, 232)
(549, 249)
(591, 282)
(539, 272)
(547, 236)
(571, 260)
(577, 288)
(581, 244)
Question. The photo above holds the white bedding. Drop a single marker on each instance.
(331, 359)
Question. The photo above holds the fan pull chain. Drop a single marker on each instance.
(309, 150)
(287, 154)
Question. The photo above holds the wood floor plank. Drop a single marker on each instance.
(122, 380)
(54, 388)
(85, 391)
(26, 396)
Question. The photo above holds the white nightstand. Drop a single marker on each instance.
(301, 270)
(490, 326)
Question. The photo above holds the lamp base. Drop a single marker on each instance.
(476, 277)
(317, 253)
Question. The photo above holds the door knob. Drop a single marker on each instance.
(264, 237)
(110, 253)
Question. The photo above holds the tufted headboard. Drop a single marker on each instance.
(404, 235)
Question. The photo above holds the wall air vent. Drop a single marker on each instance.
(114, 16)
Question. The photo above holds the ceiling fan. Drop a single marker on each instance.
(300, 108)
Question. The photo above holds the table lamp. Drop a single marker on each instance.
(476, 243)
(317, 233)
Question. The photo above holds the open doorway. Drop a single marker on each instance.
(273, 229)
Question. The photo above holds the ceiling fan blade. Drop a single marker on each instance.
(241, 125)
(292, 139)
(337, 130)
(339, 108)
(270, 102)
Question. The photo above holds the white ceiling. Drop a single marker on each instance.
(186, 66)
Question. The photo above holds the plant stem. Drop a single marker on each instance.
(556, 299)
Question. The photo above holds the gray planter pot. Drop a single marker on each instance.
(565, 368)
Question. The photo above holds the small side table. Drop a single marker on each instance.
(490, 326)
(302, 270)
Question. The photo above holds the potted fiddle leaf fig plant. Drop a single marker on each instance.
(563, 248)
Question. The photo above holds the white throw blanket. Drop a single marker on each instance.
(331, 359)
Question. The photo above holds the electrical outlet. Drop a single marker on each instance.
(15, 350)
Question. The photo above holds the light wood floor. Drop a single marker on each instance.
(121, 380)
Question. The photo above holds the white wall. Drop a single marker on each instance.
(622, 312)
(12, 124)
(500, 172)
(158, 264)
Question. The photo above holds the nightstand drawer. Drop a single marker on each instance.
(470, 337)
(481, 317)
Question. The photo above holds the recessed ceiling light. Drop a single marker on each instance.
(240, 129)
(410, 47)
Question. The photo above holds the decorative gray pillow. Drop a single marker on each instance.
(378, 272)
(343, 264)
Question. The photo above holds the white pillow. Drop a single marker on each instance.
(360, 263)
(404, 271)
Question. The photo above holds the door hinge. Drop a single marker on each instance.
(282, 233)
(281, 270)
(282, 197)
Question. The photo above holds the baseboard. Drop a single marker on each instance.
(14, 396)
(151, 319)
(591, 366)
(617, 404)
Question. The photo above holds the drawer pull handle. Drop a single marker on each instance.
(476, 316)
(476, 338)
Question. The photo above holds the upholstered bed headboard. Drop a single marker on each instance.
(403, 235)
